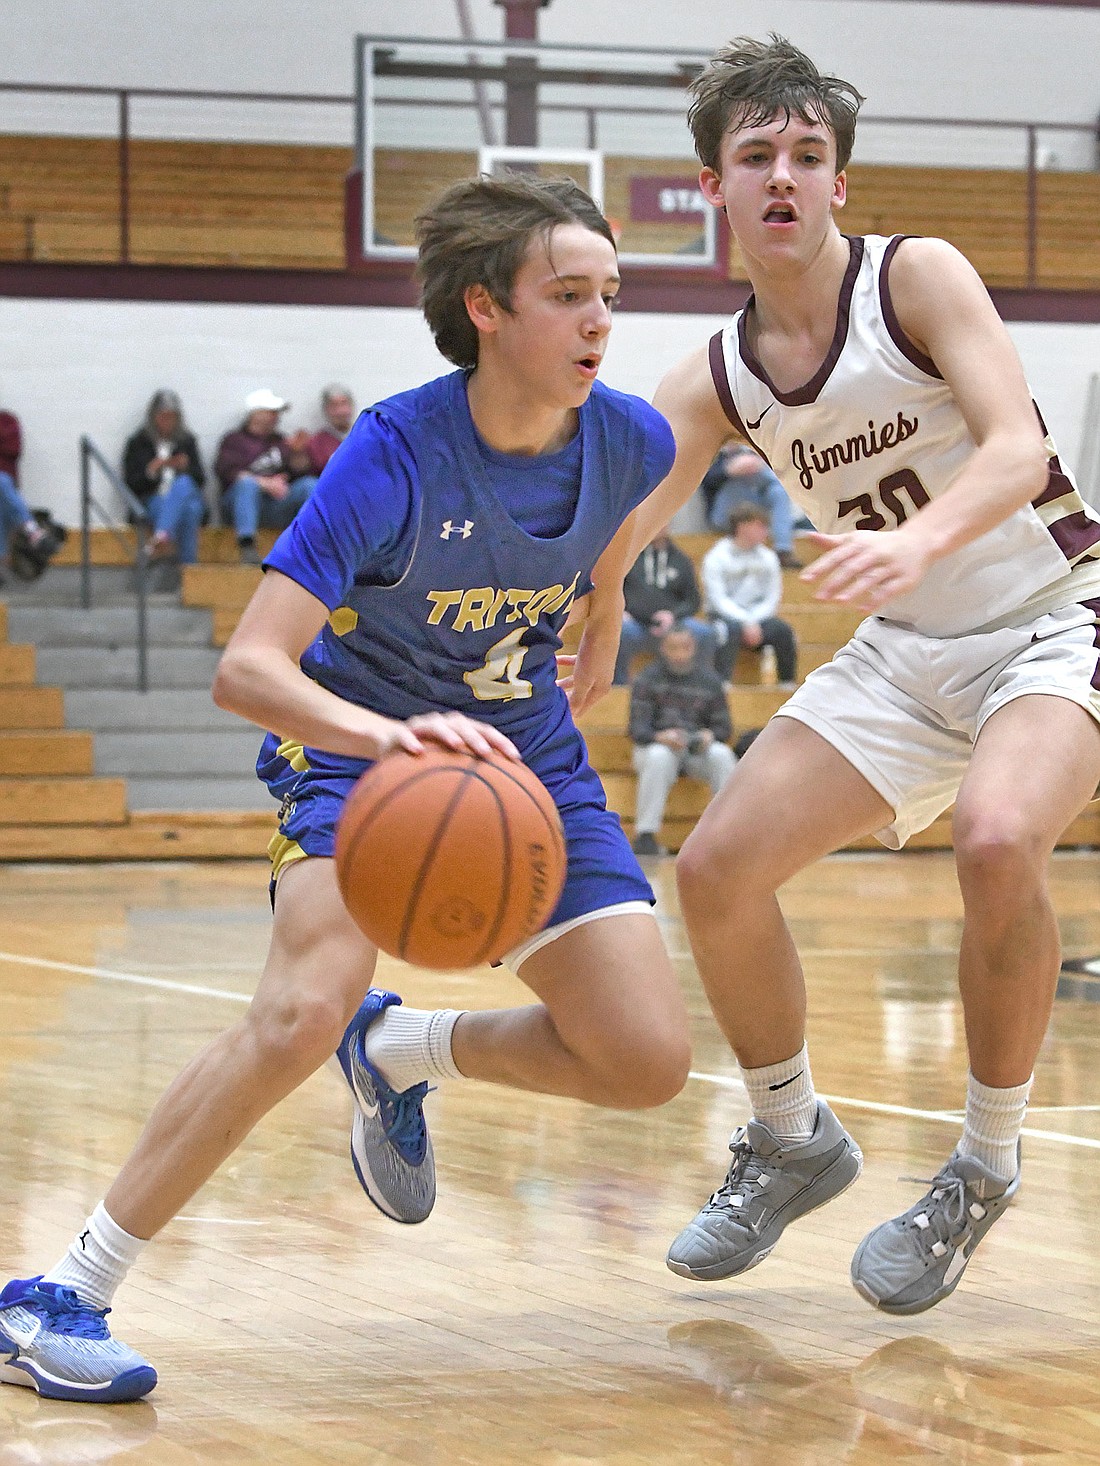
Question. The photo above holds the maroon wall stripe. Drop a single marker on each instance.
(659, 291)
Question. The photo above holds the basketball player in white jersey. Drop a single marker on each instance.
(876, 378)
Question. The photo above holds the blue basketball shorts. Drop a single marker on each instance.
(312, 785)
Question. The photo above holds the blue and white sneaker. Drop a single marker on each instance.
(53, 1343)
(391, 1149)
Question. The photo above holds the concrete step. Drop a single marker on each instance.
(146, 793)
(169, 666)
(175, 709)
(108, 626)
(219, 755)
(60, 586)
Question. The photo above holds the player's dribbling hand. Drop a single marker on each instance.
(454, 731)
(866, 568)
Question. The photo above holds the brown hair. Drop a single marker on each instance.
(747, 514)
(750, 82)
(476, 233)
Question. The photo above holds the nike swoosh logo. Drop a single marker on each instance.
(370, 1110)
(783, 1083)
(955, 1266)
(23, 1334)
(752, 426)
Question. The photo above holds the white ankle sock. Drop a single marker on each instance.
(994, 1119)
(782, 1097)
(97, 1260)
(410, 1045)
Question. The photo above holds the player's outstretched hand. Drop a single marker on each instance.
(866, 568)
(587, 676)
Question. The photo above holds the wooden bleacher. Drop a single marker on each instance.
(46, 771)
(214, 204)
(224, 588)
(52, 804)
(52, 807)
(282, 205)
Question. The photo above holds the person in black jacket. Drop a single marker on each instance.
(680, 724)
(161, 465)
(660, 588)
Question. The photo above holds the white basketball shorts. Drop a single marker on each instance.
(906, 709)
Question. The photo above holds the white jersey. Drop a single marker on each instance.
(876, 433)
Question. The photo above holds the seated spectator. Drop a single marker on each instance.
(680, 724)
(338, 405)
(265, 477)
(660, 588)
(162, 467)
(19, 528)
(743, 585)
(740, 476)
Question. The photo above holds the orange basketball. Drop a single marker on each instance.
(447, 860)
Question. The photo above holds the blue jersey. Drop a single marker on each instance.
(449, 569)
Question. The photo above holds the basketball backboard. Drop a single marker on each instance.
(431, 112)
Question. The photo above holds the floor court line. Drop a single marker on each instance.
(137, 979)
(725, 1081)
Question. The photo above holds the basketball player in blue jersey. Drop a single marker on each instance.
(417, 599)
(875, 377)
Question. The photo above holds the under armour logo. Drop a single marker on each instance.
(80, 1239)
(465, 529)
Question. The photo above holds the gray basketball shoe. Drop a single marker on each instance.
(391, 1149)
(914, 1261)
(770, 1183)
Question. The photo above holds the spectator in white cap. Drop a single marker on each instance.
(265, 476)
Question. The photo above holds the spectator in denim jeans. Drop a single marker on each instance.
(16, 517)
(162, 467)
(660, 588)
(265, 477)
(740, 476)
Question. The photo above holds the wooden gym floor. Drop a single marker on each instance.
(531, 1319)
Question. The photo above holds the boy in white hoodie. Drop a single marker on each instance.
(743, 585)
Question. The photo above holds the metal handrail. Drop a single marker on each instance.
(139, 516)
